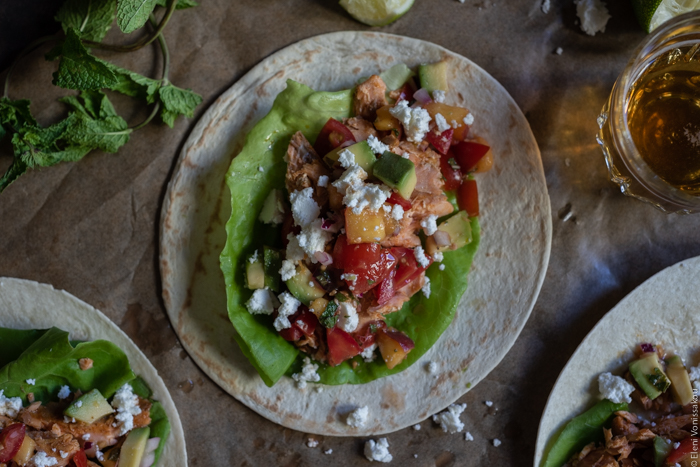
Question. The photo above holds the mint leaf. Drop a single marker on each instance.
(91, 18)
(133, 14)
(177, 101)
(95, 123)
(181, 4)
(78, 69)
(13, 172)
(14, 114)
(133, 84)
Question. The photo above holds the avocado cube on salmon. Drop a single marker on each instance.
(649, 374)
(433, 76)
(364, 157)
(89, 407)
(397, 173)
(134, 447)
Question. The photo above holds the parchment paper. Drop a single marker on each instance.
(91, 227)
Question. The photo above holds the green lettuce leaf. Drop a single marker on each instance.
(299, 108)
(13, 342)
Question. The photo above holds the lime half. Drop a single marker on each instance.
(377, 12)
(651, 13)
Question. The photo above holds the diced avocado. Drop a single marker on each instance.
(304, 286)
(364, 157)
(254, 272)
(396, 76)
(272, 264)
(397, 173)
(273, 208)
(661, 450)
(459, 229)
(134, 446)
(89, 407)
(649, 374)
(680, 381)
(433, 77)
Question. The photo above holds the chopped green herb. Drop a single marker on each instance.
(659, 380)
(341, 297)
(329, 317)
(370, 281)
(372, 328)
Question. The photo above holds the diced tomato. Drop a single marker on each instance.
(291, 334)
(368, 261)
(685, 449)
(367, 335)
(80, 459)
(341, 346)
(409, 269)
(11, 439)
(332, 135)
(440, 141)
(406, 92)
(306, 322)
(453, 177)
(386, 288)
(396, 198)
(468, 198)
(468, 154)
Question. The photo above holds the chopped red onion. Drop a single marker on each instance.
(327, 224)
(323, 258)
(646, 347)
(442, 238)
(87, 445)
(152, 445)
(422, 96)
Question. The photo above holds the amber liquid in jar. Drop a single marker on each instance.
(664, 118)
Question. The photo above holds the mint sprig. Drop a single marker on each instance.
(91, 121)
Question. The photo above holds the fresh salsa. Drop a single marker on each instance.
(365, 210)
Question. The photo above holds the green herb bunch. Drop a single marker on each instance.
(91, 122)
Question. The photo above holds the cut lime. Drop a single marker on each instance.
(651, 13)
(377, 12)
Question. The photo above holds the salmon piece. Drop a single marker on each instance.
(369, 96)
(402, 295)
(422, 205)
(428, 174)
(53, 445)
(304, 168)
(361, 129)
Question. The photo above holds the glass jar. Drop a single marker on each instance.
(673, 46)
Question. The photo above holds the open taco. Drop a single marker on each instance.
(629, 394)
(80, 395)
(503, 284)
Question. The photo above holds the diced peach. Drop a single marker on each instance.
(394, 346)
(26, 451)
(366, 227)
(450, 112)
(318, 306)
(385, 121)
(486, 162)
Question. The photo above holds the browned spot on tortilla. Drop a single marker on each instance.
(332, 413)
(261, 402)
(395, 400)
(260, 91)
(309, 54)
(461, 97)
(294, 416)
(445, 459)
(356, 70)
(138, 323)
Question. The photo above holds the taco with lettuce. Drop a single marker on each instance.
(370, 197)
(69, 400)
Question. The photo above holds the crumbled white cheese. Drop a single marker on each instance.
(288, 270)
(376, 146)
(31, 381)
(468, 436)
(41, 459)
(354, 176)
(378, 451)
(416, 427)
(438, 257)
(313, 238)
(263, 302)
(454, 124)
(431, 367)
(312, 443)
(593, 15)
(260, 169)
(429, 224)
(416, 122)
(308, 373)
(488, 403)
(469, 119)
(366, 196)
(304, 208)
(449, 419)
(64, 392)
(319, 389)
(86, 436)
(423, 260)
(368, 354)
(126, 404)
(253, 258)
(99, 454)
(614, 388)
(397, 212)
(294, 251)
(328, 451)
(438, 95)
(496, 442)
(9, 406)
(441, 267)
(288, 307)
(441, 123)
(348, 319)
(63, 454)
(78, 404)
(426, 287)
(323, 180)
(346, 159)
(545, 6)
(694, 373)
(358, 417)
(559, 51)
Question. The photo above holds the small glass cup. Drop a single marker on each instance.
(626, 166)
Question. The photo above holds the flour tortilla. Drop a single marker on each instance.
(663, 310)
(506, 276)
(30, 305)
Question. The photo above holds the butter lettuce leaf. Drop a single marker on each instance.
(299, 108)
